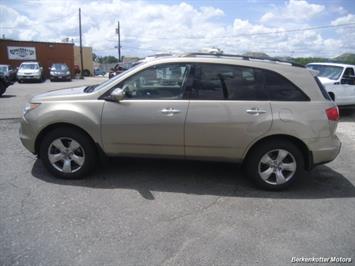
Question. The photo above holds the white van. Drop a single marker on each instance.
(338, 79)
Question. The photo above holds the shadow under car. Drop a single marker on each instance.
(200, 178)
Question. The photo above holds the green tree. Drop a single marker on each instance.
(94, 57)
(107, 59)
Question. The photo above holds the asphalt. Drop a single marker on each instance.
(167, 212)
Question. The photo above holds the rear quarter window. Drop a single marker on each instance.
(281, 89)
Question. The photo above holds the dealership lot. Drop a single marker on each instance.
(152, 212)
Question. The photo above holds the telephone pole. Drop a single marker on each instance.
(81, 48)
(118, 41)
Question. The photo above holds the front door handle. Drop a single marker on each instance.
(255, 111)
(170, 111)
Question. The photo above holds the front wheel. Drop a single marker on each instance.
(2, 88)
(68, 153)
(275, 164)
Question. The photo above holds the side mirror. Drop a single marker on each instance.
(118, 94)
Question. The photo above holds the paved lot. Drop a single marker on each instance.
(17, 95)
(161, 212)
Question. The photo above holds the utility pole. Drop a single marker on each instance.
(81, 48)
(118, 41)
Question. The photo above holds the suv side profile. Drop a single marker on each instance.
(272, 116)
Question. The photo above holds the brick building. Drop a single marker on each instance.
(14, 52)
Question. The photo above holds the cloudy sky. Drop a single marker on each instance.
(286, 27)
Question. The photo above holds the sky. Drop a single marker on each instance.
(276, 27)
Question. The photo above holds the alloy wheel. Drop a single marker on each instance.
(276, 167)
(66, 155)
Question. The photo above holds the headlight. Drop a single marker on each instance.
(52, 73)
(30, 107)
(68, 72)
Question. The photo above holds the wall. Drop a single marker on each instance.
(87, 58)
(46, 53)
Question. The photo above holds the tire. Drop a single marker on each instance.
(66, 161)
(2, 88)
(265, 158)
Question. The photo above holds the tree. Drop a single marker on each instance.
(106, 59)
(94, 57)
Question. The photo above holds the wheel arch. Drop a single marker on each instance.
(307, 154)
(54, 126)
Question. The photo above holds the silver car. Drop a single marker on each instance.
(272, 116)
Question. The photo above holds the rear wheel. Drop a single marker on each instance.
(68, 153)
(275, 165)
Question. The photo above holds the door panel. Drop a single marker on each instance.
(345, 91)
(144, 127)
(150, 119)
(224, 129)
(228, 110)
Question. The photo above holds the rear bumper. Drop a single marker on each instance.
(324, 150)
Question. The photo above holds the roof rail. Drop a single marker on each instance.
(244, 57)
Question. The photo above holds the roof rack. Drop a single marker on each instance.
(244, 57)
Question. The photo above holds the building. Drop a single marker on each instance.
(87, 59)
(14, 52)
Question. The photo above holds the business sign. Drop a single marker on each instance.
(21, 53)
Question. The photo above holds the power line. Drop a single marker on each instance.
(254, 34)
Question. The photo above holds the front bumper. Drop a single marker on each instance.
(60, 77)
(27, 135)
(28, 77)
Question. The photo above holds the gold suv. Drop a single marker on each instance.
(273, 116)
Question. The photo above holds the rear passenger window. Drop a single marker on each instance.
(218, 82)
(281, 89)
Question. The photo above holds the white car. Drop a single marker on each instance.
(338, 80)
(30, 71)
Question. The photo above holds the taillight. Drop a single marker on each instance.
(333, 113)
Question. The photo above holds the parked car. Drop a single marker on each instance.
(59, 71)
(30, 71)
(274, 117)
(99, 72)
(4, 83)
(338, 80)
(9, 72)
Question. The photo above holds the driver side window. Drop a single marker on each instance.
(158, 82)
(348, 76)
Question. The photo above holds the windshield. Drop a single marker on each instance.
(29, 66)
(3, 69)
(59, 67)
(107, 82)
(330, 72)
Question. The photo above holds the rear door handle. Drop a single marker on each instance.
(255, 111)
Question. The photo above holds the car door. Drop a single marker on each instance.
(228, 110)
(150, 119)
(347, 87)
